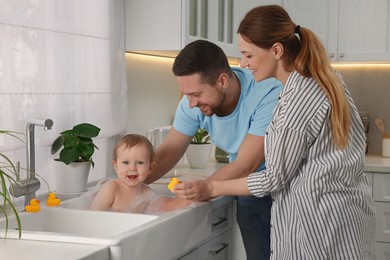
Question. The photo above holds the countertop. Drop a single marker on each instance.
(377, 163)
(38, 250)
(24, 249)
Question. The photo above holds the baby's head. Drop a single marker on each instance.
(134, 159)
(131, 140)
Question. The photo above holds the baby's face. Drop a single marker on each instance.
(132, 165)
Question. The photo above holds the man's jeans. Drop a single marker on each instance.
(253, 218)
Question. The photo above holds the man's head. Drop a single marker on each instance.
(203, 73)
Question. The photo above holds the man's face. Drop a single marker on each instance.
(203, 95)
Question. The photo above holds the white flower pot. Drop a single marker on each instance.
(72, 178)
(198, 155)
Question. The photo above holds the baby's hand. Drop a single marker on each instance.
(173, 182)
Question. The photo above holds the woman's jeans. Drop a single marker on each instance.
(253, 218)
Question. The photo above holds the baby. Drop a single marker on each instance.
(133, 161)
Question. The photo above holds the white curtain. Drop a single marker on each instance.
(63, 60)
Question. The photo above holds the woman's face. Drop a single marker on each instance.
(132, 164)
(260, 61)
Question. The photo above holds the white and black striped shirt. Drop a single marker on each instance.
(322, 201)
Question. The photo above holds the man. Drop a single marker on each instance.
(236, 111)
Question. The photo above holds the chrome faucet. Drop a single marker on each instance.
(31, 184)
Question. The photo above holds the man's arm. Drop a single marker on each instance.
(169, 153)
(250, 156)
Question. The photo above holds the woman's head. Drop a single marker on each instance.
(282, 46)
(266, 25)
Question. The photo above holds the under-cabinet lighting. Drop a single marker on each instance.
(235, 62)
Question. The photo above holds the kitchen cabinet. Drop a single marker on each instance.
(351, 30)
(165, 27)
(381, 195)
(219, 245)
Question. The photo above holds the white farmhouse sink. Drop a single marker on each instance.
(76, 226)
(129, 236)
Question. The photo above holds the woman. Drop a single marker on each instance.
(314, 147)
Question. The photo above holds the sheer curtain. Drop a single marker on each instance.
(63, 60)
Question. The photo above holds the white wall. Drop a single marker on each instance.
(153, 92)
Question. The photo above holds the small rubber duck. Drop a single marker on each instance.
(33, 206)
(173, 182)
(52, 200)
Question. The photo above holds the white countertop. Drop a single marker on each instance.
(27, 249)
(38, 250)
(377, 163)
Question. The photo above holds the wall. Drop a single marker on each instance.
(153, 93)
(369, 87)
(62, 60)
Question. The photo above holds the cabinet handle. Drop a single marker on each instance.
(332, 55)
(341, 55)
(219, 222)
(219, 250)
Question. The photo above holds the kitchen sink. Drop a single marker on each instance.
(128, 235)
(76, 226)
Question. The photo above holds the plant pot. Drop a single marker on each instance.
(72, 178)
(198, 155)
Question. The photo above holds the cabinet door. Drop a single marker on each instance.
(320, 17)
(364, 30)
(153, 25)
(382, 214)
(215, 21)
(382, 251)
(381, 187)
(218, 248)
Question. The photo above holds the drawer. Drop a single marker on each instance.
(381, 187)
(382, 214)
(221, 219)
(382, 251)
(219, 248)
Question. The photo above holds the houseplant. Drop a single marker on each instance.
(199, 150)
(75, 157)
(7, 173)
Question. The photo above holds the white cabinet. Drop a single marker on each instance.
(165, 27)
(381, 195)
(351, 30)
(219, 245)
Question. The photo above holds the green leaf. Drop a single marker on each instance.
(69, 155)
(86, 130)
(57, 144)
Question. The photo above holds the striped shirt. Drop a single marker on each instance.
(322, 201)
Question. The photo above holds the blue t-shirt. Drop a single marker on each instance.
(251, 116)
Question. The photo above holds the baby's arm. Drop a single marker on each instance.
(105, 196)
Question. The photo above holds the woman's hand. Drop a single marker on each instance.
(199, 190)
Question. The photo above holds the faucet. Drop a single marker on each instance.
(31, 184)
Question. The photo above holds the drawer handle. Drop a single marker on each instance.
(219, 250)
(219, 222)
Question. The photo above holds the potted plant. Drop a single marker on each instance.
(75, 157)
(7, 173)
(199, 150)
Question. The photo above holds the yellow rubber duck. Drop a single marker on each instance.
(173, 182)
(52, 200)
(33, 206)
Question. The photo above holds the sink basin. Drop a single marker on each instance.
(128, 235)
(71, 225)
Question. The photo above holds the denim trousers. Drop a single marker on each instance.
(253, 218)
